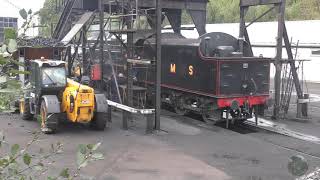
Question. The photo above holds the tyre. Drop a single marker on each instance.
(99, 121)
(24, 108)
(49, 122)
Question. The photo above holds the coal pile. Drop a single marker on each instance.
(38, 42)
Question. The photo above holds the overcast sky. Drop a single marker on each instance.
(8, 10)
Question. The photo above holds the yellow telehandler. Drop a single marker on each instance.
(51, 97)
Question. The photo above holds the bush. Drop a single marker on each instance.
(16, 163)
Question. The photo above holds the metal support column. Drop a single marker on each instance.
(130, 51)
(150, 124)
(278, 64)
(292, 63)
(158, 64)
(85, 62)
(242, 27)
(69, 54)
(101, 39)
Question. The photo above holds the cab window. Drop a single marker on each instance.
(54, 77)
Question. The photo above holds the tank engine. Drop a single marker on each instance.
(209, 76)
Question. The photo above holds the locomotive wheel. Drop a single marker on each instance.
(179, 106)
(49, 122)
(210, 114)
(24, 108)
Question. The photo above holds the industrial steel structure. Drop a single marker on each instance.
(101, 35)
(281, 100)
(88, 29)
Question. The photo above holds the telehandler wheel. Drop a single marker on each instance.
(99, 121)
(24, 108)
(49, 122)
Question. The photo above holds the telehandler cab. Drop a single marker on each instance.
(51, 97)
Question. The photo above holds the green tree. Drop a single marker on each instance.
(227, 11)
(221, 11)
(303, 10)
(218, 11)
(49, 16)
(11, 88)
(9, 33)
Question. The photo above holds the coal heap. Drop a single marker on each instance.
(38, 42)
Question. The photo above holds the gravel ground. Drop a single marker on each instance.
(185, 149)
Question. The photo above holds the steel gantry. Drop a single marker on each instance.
(100, 36)
(282, 36)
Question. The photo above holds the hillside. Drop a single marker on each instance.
(219, 11)
(224, 11)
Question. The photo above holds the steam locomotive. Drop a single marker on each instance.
(208, 75)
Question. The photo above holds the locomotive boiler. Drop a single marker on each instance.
(209, 76)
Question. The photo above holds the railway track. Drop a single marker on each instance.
(281, 129)
(249, 127)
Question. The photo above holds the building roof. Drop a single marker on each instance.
(8, 17)
(49, 62)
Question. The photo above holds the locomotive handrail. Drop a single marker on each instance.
(208, 58)
(139, 61)
(205, 58)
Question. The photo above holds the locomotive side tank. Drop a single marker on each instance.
(210, 76)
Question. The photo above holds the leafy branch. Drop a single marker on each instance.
(28, 17)
(19, 164)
